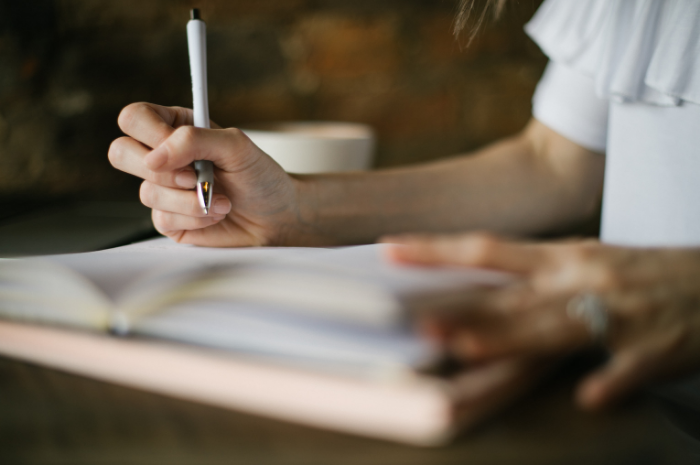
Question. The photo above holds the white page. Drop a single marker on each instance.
(370, 263)
(265, 332)
(41, 292)
(115, 270)
(353, 284)
(268, 298)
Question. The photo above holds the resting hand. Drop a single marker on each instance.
(255, 201)
(652, 297)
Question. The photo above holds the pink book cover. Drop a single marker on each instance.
(417, 409)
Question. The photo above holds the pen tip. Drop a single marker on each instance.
(206, 211)
(194, 13)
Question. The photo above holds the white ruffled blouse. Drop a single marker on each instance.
(624, 79)
(635, 50)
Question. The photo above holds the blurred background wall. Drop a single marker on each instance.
(67, 67)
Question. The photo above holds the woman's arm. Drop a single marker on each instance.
(530, 183)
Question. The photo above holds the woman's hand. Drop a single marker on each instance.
(652, 297)
(255, 201)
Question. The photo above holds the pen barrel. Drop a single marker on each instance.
(197, 45)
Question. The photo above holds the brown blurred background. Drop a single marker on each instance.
(67, 67)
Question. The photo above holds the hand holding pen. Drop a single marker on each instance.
(174, 150)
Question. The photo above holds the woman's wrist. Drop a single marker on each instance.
(301, 226)
(327, 211)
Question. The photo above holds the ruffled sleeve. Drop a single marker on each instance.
(635, 50)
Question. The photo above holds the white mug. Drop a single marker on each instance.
(315, 147)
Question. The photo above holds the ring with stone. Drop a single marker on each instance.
(590, 309)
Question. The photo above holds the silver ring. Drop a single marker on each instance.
(590, 309)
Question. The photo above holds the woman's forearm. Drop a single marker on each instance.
(531, 183)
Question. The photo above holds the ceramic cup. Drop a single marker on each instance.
(315, 147)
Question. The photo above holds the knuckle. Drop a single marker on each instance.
(481, 247)
(129, 113)
(607, 278)
(578, 254)
(178, 236)
(117, 150)
(147, 194)
(636, 310)
(156, 218)
(235, 132)
(482, 237)
(181, 115)
(162, 221)
(185, 135)
(574, 264)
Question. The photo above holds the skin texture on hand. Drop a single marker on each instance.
(652, 297)
(254, 200)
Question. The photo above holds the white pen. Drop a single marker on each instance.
(197, 45)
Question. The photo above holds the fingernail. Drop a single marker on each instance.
(155, 159)
(221, 206)
(186, 179)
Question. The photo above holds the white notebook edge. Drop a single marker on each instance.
(417, 412)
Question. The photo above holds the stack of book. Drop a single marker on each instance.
(322, 337)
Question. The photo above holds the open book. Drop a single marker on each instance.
(338, 321)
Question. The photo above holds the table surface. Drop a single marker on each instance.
(51, 417)
(78, 226)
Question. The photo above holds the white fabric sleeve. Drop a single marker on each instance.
(565, 101)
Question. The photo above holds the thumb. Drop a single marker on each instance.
(229, 149)
(472, 250)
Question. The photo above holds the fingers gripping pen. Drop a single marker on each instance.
(197, 45)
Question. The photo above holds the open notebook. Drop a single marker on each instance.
(319, 336)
